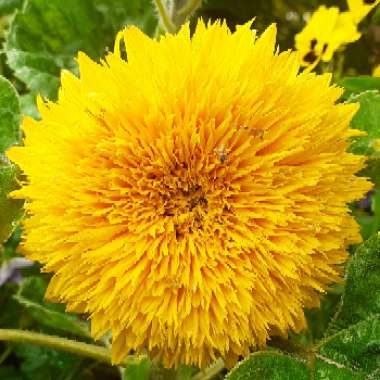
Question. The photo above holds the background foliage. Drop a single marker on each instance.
(40, 38)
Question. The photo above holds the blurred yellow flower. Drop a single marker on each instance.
(325, 32)
(193, 199)
(376, 144)
(360, 8)
(376, 71)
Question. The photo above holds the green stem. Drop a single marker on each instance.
(5, 354)
(210, 372)
(182, 11)
(83, 349)
(164, 16)
(339, 63)
(189, 8)
(98, 353)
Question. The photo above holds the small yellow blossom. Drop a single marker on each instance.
(376, 71)
(325, 32)
(360, 8)
(376, 144)
(193, 199)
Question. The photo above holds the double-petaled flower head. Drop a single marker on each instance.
(193, 198)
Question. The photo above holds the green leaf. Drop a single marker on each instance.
(350, 349)
(9, 134)
(368, 119)
(11, 209)
(269, 366)
(10, 246)
(185, 372)
(359, 84)
(157, 371)
(9, 115)
(30, 296)
(121, 13)
(352, 353)
(10, 373)
(10, 318)
(138, 371)
(361, 298)
(318, 319)
(9, 6)
(28, 105)
(375, 208)
(39, 363)
(46, 35)
(367, 214)
(368, 223)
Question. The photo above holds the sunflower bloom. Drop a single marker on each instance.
(360, 8)
(192, 199)
(326, 31)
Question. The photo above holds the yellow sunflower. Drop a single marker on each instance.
(325, 32)
(191, 199)
(360, 8)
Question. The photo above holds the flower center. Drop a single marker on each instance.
(187, 207)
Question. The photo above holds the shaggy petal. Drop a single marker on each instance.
(193, 198)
